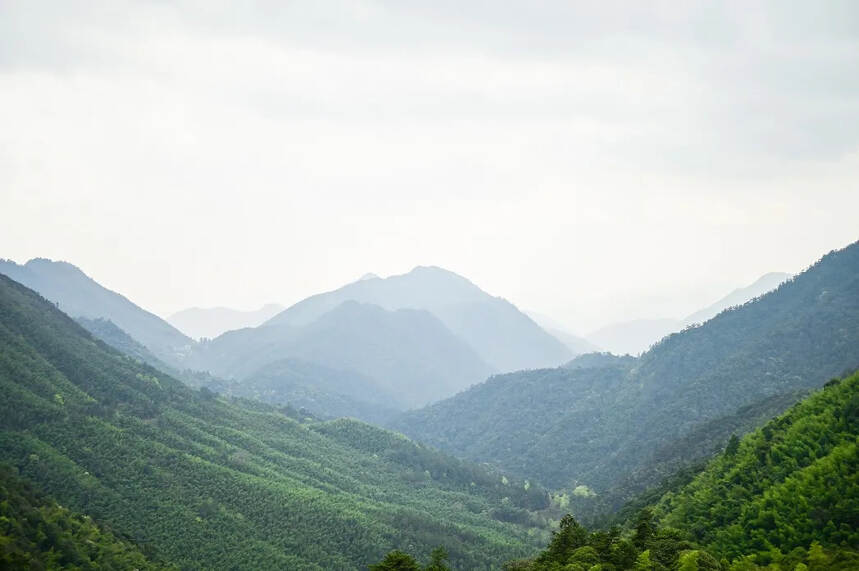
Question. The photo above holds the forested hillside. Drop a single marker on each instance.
(601, 426)
(793, 482)
(78, 295)
(206, 483)
(36, 533)
(783, 498)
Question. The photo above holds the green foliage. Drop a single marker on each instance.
(36, 533)
(203, 482)
(622, 425)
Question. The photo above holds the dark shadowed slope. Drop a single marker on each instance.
(503, 336)
(205, 483)
(408, 352)
(598, 426)
(78, 295)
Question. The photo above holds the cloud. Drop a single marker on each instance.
(530, 147)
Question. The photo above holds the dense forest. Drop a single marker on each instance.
(782, 498)
(629, 423)
(37, 533)
(203, 482)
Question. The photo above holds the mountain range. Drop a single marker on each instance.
(78, 295)
(209, 322)
(203, 482)
(629, 422)
(636, 336)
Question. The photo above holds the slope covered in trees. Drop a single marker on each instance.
(37, 533)
(783, 498)
(78, 295)
(206, 483)
(793, 482)
(599, 426)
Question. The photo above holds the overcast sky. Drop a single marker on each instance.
(591, 161)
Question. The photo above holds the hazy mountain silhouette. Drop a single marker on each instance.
(209, 322)
(636, 336)
(78, 295)
(408, 351)
(503, 336)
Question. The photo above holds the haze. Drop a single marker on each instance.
(590, 163)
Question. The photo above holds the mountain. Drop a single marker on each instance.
(783, 498)
(791, 483)
(78, 295)
(205, 482)
(600, 426)
(633, 337)
(637, 336)
(504, 337)
(408, 352)
(762, 285)
(199, 322)
(577, 345)
(328, 393)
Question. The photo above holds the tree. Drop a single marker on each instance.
(396, 560)
(733, 445)
(645, 528)
(438, 560)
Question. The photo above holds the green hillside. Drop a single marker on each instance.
(36, 533)
(793, 482)
(631, 422)
(206, 483)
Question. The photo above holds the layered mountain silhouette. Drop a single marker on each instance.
(407, 351)
(638, 335)
(209, 322)
(633, 420)
(504, 337)
(204, 482)
(78, 295)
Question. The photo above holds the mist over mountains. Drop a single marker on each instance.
(199, 322)
(619, 425)
(78, 295)
(422, 354)
(636, 336)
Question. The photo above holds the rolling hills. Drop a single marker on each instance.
(206, 482)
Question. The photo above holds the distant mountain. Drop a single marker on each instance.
(198, 322)
(635, 337)
(408, 352)
(203, 482)
(504, 337)
(762, 285)
(602, 425)
(327, 393)
(78, 295)
(576, 344)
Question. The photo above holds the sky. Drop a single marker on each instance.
(594, 162)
